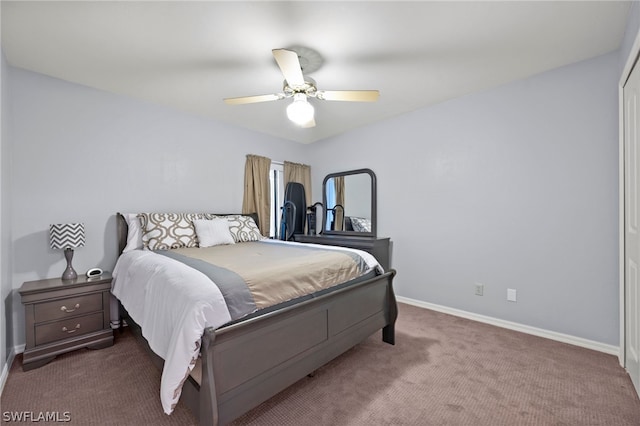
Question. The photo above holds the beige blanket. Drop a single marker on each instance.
(276, 272)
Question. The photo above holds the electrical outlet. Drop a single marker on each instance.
(511, 294)
(479, 289)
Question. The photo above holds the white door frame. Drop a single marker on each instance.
(626, 71)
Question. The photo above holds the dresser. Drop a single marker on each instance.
(378, 247)
(61, 316)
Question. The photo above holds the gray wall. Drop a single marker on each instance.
(515, 187)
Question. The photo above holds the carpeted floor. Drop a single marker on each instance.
(443, 370)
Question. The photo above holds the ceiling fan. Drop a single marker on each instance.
(300, 88)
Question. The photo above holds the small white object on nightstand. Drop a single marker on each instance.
(94, 272)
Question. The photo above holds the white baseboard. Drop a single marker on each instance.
(5, 369)
(560, 337)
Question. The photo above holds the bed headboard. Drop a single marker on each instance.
(123, 228)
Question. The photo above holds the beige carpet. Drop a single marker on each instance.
(443, 370)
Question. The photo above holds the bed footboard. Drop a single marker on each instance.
(293, 342)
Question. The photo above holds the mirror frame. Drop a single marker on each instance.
(374, 202)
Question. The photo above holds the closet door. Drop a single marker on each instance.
(631, 99)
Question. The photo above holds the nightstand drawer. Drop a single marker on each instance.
(68, 307)
(77, 326)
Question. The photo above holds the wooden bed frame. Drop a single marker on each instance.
(246, 363)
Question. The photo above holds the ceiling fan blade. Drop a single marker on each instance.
(290, 66)
(348, 95)
(254, 99)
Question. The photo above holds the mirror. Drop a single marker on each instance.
(349, 200)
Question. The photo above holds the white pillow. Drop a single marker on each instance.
(134, 232)
(213, 232)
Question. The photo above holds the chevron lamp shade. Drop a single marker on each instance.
(66, 235)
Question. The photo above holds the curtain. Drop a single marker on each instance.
(339, 212)
(294, 172)
(257, 196)
(301, 173)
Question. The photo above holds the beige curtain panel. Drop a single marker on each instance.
(301, 173)
(294, 172)
(257, 198)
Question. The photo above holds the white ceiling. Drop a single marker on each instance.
(191, 55)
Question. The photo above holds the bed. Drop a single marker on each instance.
(292, 340)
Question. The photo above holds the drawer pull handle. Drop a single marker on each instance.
(67, 310)
(71, 331)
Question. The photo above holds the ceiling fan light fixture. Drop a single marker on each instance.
(300, 111)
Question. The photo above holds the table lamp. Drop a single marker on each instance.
(67, 236)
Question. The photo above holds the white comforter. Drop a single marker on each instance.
(173, 304)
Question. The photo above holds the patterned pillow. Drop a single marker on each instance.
(164, 231)
(243, 228)
(361, 224)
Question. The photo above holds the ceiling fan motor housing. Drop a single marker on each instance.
(308, 88)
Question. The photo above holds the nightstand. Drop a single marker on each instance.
(62, 316)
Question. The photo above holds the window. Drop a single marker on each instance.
(276, 178)
(331, 201)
